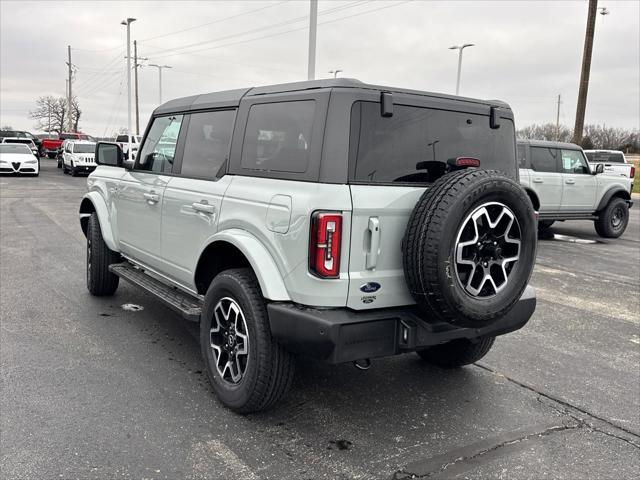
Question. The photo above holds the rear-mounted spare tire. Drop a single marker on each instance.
(470, 247)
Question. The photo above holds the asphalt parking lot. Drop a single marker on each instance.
(90, 390)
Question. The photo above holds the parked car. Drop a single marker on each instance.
(24, 141)
(22, 134)
(78, 157)
(563, 186)
(63, 147)
(329, 218)
(53, 147)
(123, 141)
(17, 158)
(614, 162)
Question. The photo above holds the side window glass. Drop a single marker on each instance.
(574, 162)
(207, 145)
(278, 137)
(522, 160)
(543, 159)
(159, 148)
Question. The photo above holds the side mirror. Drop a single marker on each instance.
(109, 154)
(599, 169)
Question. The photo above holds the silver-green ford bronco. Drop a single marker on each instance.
(332, 218)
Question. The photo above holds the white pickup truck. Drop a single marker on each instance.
(614, 162)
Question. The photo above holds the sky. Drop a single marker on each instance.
(526, 53)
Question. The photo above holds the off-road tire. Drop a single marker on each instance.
(64, 169)
(270, 368)
(100, 281)
(457, 353)
(604, 224)
(74, 172)
(428, 247)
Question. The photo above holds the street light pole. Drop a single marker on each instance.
(335, 72)
(128, 22)
(159, 67)
(460, 48)
(313, 26)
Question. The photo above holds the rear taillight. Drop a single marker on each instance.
(324, 245)
(632, 172)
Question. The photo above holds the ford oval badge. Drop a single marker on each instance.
(370, 287)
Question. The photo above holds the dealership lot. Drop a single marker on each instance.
(90, 389)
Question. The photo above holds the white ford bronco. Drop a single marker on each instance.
(330, 218)
(563, 186)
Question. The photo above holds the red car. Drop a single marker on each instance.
(52, 146)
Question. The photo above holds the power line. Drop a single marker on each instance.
(290, 21)
(285, 31)
(214, 21)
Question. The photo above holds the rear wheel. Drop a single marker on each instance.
(457, 353)
(613, 219)
(100, 281)
(248, 369)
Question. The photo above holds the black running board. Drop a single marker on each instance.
(189, 306)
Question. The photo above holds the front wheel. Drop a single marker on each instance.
(457, 353)
(248, 369)
(100, 281)
(613, 219)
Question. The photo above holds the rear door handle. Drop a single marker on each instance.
(538, 180)
(570, 181)
(151, 197)
(203, 207)
(374, 231)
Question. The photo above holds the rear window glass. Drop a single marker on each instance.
(122, 138)
(278, 137)
(544, 159)
(68, 136)
(26, 141)
(522, 158)
(414, 144)
(605, 157)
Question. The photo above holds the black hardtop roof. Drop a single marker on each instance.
(231, 98)
(550, 144)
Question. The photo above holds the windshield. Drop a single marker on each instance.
(605, 157)
(84, 148)
(414, 145)
(15, 148)
(25, 141)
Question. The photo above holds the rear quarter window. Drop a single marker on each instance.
(414, 145)
(278, 137)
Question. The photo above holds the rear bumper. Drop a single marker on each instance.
(343, 335)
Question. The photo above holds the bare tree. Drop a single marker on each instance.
(595, 136)
(51, 113)
(547, 131)
(75, 113)
(7, 127)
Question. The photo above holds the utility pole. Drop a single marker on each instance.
(159, 67)
(558, 120)
(128, 22)
(69, 94)
(313, 26)
(584, 74)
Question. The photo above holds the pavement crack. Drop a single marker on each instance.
(567, 406)
(418, 473)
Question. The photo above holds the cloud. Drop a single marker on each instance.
(526, 53)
